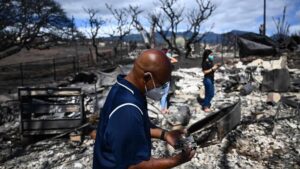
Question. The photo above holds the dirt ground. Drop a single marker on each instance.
(37, 55)
(70, 51)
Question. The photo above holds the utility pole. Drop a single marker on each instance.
(74, 41)
(264, 31)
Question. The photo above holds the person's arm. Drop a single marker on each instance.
(173, 60)
(171, 137)
(129, 143)
(213, 69)
(165, 163)
(207, 71)
(156, 132)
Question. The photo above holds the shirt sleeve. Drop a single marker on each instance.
(206, 66)
(152, 126)
(127, 137)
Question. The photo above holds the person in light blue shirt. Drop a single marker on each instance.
(166, 87)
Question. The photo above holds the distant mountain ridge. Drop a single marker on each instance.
(210, 37)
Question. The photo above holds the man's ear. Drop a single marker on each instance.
(147, 76)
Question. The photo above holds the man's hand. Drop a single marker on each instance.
(186, 155)
(172, 137)
(166, 163)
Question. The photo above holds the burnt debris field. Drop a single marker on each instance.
(58, 119)
(57, 67)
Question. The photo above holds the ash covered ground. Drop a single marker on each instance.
(268, 135)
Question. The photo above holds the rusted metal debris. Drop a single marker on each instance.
(217, 124)
(214, 127)
(50, 110)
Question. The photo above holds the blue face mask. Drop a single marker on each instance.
(169, 54)
(156, 93)
(211, 57)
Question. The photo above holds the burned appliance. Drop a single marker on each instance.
(50, 110)
(212, 129)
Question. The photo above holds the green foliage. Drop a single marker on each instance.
(22, 22)
(296, 37)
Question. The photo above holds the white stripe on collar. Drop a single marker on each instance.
(125, 87)
(122, 105)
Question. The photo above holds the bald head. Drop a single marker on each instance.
(154, 62)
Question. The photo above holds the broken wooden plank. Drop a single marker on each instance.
(54, 124)
(50, 92)
(44, 108)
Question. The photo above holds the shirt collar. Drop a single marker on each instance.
(128, 86)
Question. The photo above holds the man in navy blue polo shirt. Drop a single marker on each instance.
(124, 131)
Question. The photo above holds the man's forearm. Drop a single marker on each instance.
(156, 132)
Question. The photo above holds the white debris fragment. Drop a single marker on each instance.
(78, 165)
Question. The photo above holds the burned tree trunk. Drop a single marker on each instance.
(95, 24)
(123, 27)
(196, 18)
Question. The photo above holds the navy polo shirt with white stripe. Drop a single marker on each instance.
(123, 134)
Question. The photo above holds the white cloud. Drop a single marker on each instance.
(295, 29)
(75, 7)
(104, 31)
(244, 15)
(229, 14)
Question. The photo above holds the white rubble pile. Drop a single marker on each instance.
(189, 78)
(58, 154)
(270, 65)
(258, 142)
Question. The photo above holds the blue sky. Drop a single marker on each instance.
(229, 15)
